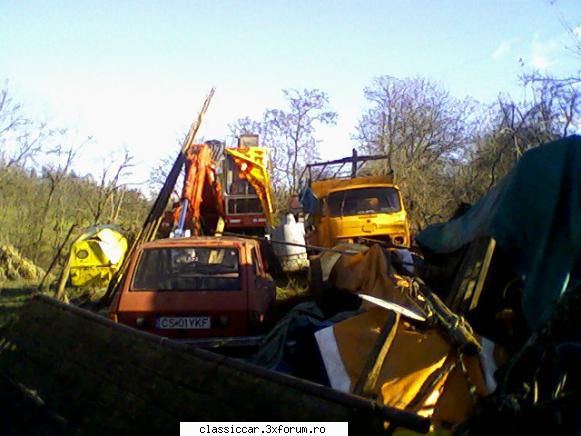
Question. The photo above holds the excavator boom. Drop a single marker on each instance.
(201, 191)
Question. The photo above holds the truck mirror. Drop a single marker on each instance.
(323, 208)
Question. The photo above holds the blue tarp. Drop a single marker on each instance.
(305, 316)
(309, 201)
(534, 213)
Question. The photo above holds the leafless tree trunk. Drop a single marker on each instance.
(55, 176)
(108, 188)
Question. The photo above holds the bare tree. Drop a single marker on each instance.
(423, 131)
(413, 118)
(553, 111)
(556, 103)
(20, 137)
(54, 173)
(110, 190)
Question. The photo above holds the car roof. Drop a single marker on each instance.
(200, 241)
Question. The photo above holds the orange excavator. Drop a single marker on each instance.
(205, 207)
(201, 188)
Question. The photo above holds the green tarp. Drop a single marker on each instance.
(534, 213)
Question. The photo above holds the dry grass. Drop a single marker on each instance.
(291, 286)
(15, 267)
(291, 289)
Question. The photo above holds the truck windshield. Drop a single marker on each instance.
(188, 269)
(363, 201)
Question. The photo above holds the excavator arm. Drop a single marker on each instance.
(201, 191)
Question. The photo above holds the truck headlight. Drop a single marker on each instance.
(399, 240)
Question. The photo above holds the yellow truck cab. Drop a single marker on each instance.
(355, 209)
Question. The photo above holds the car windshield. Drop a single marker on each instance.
(188, 269)
(363, 201)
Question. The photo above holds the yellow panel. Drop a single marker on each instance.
(95, 256)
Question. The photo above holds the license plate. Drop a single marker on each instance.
(184, 323)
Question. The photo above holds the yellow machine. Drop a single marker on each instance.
(246, 178)
(353, 208)
(96, 255)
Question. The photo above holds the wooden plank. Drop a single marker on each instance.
(471, 276)
(85, 361)
(367, 382)
(83, 395)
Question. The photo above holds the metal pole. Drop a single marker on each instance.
(293, 244)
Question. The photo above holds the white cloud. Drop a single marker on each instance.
(503, 49)
(577, 31)
(540, 61)
(542, 53)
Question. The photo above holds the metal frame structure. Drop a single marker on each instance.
(357, 163)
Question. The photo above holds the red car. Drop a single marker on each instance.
(198, 287)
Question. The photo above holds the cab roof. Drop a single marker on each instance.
(322, 187)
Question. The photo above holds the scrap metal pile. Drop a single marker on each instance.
(478, 328)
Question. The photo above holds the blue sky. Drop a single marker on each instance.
(133, 73)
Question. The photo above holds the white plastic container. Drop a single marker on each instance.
(291, 257)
